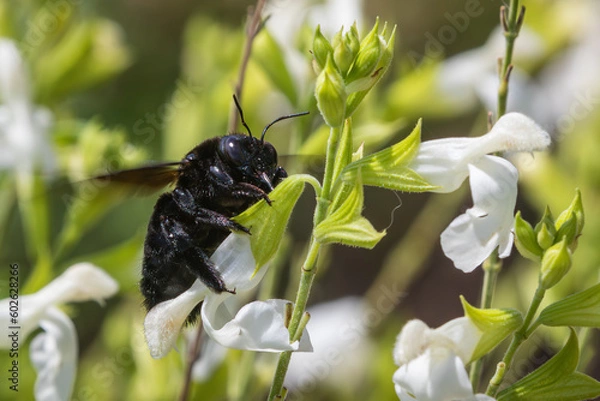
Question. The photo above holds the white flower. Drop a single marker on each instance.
(54, 351)
(432, 361)
(23, 127)
(257, 326)
(445, 163)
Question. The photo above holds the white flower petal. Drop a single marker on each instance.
(472, 236)
(80, 282)
(515, 132)
(164, 321)
(54, 356)
(436, 375)
(14, 81)
(463, 335)
(411, 341)
(257, 326)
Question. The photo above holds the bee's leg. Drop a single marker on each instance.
(188, 254)
(186, 203)
(245, 190)
(199, 264)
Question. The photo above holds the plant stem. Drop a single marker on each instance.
(309, 267)
(254, 26)
(491, 268)
(518, 337)
(512, 22)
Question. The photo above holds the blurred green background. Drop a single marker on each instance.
(135, 81)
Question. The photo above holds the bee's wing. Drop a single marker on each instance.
(144, 180)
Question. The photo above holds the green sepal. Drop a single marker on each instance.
(267, 223)
(388, 168)
(525, 239)
(495, 325)
(368, 55)
(268, 54)
(556, 380)
(321, 49)
(545, 231)
(581, 309)
(345, 224)
(343, 156)
(570, 222)
(556, 262)
(331, 96)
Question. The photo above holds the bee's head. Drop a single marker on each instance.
(253, 158)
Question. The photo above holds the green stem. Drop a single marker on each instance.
(512, 26)
(518, 337)
(309, 267)
(491, 268)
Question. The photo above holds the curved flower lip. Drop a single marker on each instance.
(431, 361)
(444, 162)
(257, 326)
(54, 356)
(80, 282)
(471, 237)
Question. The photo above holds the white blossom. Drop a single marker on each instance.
(54, 351)
(432, 361)
(256, 326)
(24, 127)
(445, 163)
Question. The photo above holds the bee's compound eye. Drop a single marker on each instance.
(232, 150)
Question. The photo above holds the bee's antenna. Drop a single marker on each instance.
(237, 104)
(262, 137)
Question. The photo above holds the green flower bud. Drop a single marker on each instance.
(368, 56)
(568, 230)
(342, 54)
(546, 236)
(545, 231)
(575, 212)
(352, 39)
(525, 239)
(321, 50)
(556, 262)
(331, 95)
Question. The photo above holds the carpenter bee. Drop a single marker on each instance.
(218, 179)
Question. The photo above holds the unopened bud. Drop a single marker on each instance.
(556, 262)
(545, 231)
(321, 49)
(368, 56)
(574, 211)
(525, 239)
(331, 95)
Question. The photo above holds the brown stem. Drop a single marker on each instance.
(254, 26)
(192, 357)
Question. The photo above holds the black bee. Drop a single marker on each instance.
(218, 179)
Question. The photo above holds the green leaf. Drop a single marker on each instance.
(388, 168)
(494, 324)
(343, 155)
(581, 309)
(344, 223)
(556, 380)
(267, 53)
(267, 223)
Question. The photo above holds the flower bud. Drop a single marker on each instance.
(556, 262)
(565, 226)
(342, 54)
(368, 56)
(545, 231)
(331, 95)
(546, 236)
(321, 50)
(525, 239)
